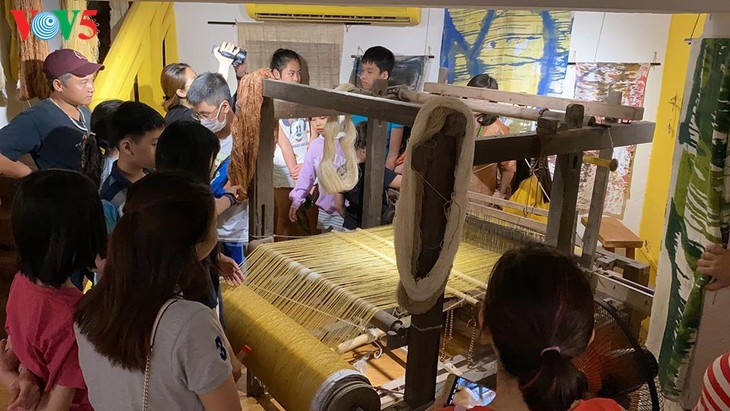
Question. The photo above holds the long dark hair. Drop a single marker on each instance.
(152, 258)
(58, 224)
(96, 146)
(282, 57)
(187, 145)
(173, 79)
(539, 310)
(484, 81)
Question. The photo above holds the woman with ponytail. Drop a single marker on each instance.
(538, 313)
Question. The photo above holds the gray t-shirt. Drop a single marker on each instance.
(189, 358)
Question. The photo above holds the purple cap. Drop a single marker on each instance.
(65, 61)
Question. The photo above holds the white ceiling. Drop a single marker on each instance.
(653, 6)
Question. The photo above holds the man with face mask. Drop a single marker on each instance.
(210, 97)
(54, 131)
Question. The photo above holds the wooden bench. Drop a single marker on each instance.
(613, 234)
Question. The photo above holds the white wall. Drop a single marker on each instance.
(624, 38)
(196, 37)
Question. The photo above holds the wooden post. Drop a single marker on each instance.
(372, 207)
(443, 75)
(429, 161)
(595, 214)
(564, 196)
(600, 186)
(261, 201)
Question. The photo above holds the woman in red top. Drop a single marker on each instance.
(59, 230)
(538, 313)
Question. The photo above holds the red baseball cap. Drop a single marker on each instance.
(66, 61)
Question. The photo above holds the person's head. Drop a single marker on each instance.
(96, 145)
(176, 79)
(210, 97)
(319, 123)
(155, 254)
(58, 224)
(241, 70)
(286, 65)
(538, 311)
(187, 146)
(484, 81)
(71, 76)
(377, 63)
(137, 127)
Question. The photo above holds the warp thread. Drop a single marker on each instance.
(89, 48)
(32, 52)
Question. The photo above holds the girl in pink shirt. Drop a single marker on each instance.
(59, 229)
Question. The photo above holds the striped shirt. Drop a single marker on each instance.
(716, 387)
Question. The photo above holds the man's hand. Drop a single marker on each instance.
(715, 261)
(230, 271)
(224, 62)
(26, 392)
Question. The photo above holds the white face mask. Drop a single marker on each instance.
(214, 124)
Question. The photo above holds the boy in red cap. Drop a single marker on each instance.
(54, 131)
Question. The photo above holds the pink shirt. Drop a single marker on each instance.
(40, 325)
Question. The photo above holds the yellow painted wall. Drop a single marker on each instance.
(662, 152)
(137, 52)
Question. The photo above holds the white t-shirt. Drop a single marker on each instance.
(297, 131)
(232, 223)
(190, 358)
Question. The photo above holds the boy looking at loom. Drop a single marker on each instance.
(377, 64)
(350, 203)
(136, 129)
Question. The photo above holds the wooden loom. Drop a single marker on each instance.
(558, 133)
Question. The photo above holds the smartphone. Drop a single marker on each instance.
(480, 394)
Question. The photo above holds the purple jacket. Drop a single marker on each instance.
(308, 176)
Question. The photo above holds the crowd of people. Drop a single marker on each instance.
(139, 208)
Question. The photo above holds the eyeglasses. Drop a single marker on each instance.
(208, 116)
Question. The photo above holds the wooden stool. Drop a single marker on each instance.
(613, 234)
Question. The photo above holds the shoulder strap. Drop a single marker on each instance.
(147, 370)
(160, 313)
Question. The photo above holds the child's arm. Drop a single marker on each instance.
(59, 398)
(340, 204)
(289, 158)
(396, 136)
(305, 182)
(223, 397)
(507, 170)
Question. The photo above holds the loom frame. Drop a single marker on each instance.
(558, 133)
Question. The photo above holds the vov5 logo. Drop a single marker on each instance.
(45, 25)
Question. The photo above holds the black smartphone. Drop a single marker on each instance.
(481, 394)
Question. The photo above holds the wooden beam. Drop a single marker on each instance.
(564, 196)
(372, 207)
(554, 103)
(372, 107)
(261, 201)
(595, 213)
(488, 107)
(285, 109)
(530, 145)
(521, 221)
(429, 162)
(478, 198)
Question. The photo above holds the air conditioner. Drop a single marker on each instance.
(385, 16)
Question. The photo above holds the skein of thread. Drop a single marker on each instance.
(298, 370)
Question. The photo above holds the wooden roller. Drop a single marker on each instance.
(611, 164)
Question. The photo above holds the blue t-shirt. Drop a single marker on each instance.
(46, 133)
(357, 119)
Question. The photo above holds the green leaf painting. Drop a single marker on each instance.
(699, 210)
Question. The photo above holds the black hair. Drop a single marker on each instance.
(58, 224)
(133, 120)
(539, 310)
(187, 145)
(152, 258)
(484, 81)
(95, 145)
(381, 57)
(282, 57)
(361, 141)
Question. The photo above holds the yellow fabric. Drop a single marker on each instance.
(530, 194)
